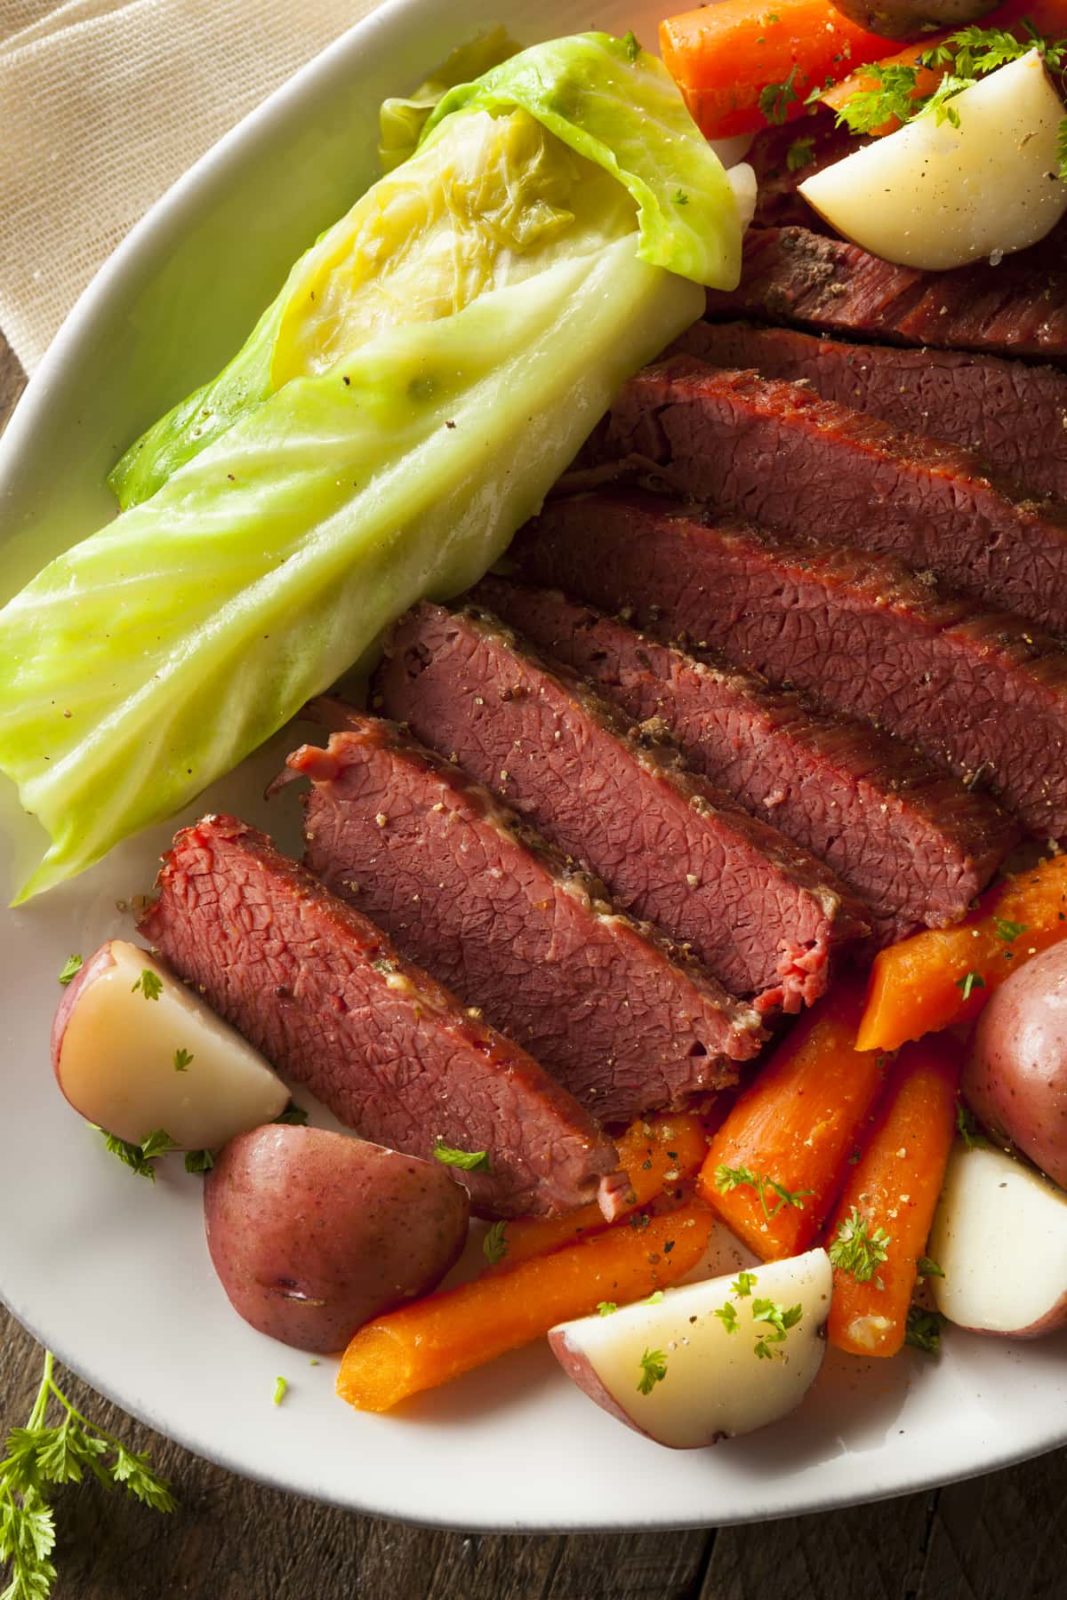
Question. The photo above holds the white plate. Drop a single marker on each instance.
(114, 1275)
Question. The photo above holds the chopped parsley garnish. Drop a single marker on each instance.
(966, 1126)
(926, 1267)
(680, 197)
(199, 1160)
(858, 1249)
(969, 983)
(281, 1389)
(466, 1160)
(653, 1370)
(776, 98)
(923, 1330)
(71, 967)
(778, 1322)
(800, 154)
(604, 1308)
(293, 1116)
(42, 1455)
(1008, 931)
(654, 1298)
(744, 1284)
(140, 1158)
(727, 1315)
(182, 1058)
(728, 1178)
(631, 45)
(149, 983)
(495, 1243)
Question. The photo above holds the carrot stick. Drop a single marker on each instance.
(882, 1222)
(946, 975)
(1049, 17)
(776, 1165)
(654, 1152)
(433, 1340)
(728, 58)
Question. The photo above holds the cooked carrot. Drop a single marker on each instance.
(654, 1152)
(882, 1222)
(946, 975)
(777, 1164)
(433, 1340)
(741, 65)
(1048, 17)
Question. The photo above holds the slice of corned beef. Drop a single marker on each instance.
(793, 274)
(331, 1002)
(504, 920)
(1010, 414)
(979, 691)
(775, 454)
(914, 843)
(762, 915)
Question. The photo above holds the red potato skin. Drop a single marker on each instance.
(580, 1371)
(1015, 1079)
(97, 963)
(314, 1233)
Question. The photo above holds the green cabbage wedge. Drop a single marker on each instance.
(430, 367)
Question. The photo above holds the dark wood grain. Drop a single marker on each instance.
(1002, 1537)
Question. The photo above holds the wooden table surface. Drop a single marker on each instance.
(1001, 1537)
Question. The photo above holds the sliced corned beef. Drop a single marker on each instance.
(775, 454)
(793, 274)
(331, 1002)
(914, 843)
(756, 910)
(980, 691)
(504, 920)
(1009, 413)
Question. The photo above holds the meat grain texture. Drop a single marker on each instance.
(621, 1020)
(761, 914)
(331, 1002)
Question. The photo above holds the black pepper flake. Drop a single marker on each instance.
(646, 1166)
(640, 1220)
(668, 1246)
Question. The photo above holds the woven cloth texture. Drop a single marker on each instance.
(103, 105)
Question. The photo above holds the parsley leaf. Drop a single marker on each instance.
(728, 1178)
(1005, 930)
(149, 983)
(281, 1389)
(927, 1267)
(969, 983)
(924, 1330)
(778, 1321)
(604, 1308)
(776, 98)
(654, 1299)
(41, 1456)
(744, 1284)
(727, 1315)
(653, 1370)
(466, 1160)
(891, 97)
(631, 45)
(182, 1058)
(293, 1116)
(966, 1126)
(858, 1249)
(71, 967)
(199, 1160)
(495, 1243)
(680, 197)
(1061, 150)
(140, 1158)
(801, 153)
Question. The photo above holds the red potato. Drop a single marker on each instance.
(1015, 1080)
(136, 1052)
(314, 1233)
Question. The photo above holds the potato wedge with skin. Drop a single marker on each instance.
(136, 1055)
(934, 195)
(706, 1361)
(1015, 1079)
(314, 1233)
(912, 19)
(1000, 1238)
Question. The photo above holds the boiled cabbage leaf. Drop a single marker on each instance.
(410, 433)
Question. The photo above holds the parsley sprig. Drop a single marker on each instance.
(42, 1456)
(449, 1156)
(776, 98)
(963, 58)
(653, 1371)
(859, 1249)
(728, 1178)
(778, 1322)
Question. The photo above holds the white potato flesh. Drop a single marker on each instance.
(1000, 1238)
(935, 196)
(134, 1064)
(714, 1382)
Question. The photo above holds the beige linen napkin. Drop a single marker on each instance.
(103, 105)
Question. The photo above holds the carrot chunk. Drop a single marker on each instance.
(655, 1152)
(775, 1167)
(741, 65)
(946, 975)
(882, 1222)
(435, 1339)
